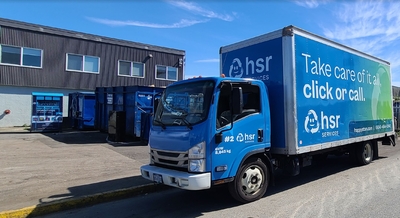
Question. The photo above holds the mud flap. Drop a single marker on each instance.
(389, 140)
(375, 150)
(291, 166)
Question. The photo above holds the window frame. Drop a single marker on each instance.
(166, 73)
(131, 69)
(21, 56)
(83, 63)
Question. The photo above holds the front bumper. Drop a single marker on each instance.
(177, 179)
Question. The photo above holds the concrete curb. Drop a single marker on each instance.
(67, 204)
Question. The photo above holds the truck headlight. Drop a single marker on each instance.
(197, 165)
(198, 151)
(197, 156)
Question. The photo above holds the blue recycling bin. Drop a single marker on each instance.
(81, 111)
(133, 100)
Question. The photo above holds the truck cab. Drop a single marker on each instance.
(210, 131)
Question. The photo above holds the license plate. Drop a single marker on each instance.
(157, 178)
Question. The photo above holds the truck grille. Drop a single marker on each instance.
(178, 160)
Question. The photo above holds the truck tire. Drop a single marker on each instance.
(251, 181)
(364, 153)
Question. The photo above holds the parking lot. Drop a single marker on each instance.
(42, 169)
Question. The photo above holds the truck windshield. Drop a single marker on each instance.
(184, 104)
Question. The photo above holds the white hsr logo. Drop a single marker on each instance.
(251, 67)
(312, 123)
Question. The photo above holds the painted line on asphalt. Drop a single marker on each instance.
(67, 204)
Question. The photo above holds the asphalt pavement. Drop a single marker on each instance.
(41, 173)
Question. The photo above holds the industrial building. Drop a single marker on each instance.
(42, 59)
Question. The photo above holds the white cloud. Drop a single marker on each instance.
(310, 3)
(395, 67)
(194, 8)
(370, 26)
(189, 6)
(208, 61)
(395, 63)
(180, 24)
(364, 19)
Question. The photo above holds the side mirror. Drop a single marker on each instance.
(218, 138)
(237, 100)
(156, 101)
(157, 97)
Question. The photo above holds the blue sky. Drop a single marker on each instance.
(202, 27)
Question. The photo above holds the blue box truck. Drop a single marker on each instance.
(284, 99)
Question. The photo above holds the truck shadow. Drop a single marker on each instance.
(318, 170)
(218, 199)
(183, 203)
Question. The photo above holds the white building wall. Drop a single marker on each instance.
(19, 101)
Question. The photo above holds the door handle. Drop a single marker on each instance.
(260, 135)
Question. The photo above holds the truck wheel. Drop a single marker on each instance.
(251, 181)
(364, 153)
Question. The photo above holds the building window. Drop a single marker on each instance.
(83, 63)
(129, 68)
(20, 56)
(167, 73)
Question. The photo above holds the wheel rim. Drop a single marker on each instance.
(367, 153)
(252, 180)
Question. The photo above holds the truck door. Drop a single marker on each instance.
(241, 133)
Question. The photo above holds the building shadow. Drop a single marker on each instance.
(72, 136)
(95, 193)
(14, 132)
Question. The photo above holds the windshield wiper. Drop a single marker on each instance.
(188, 124)
(161, 123)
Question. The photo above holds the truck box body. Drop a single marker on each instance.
(322, 94)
